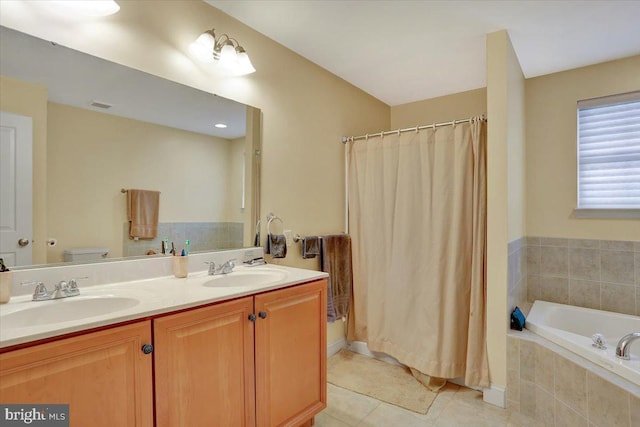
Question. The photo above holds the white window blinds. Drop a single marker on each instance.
(609, 152)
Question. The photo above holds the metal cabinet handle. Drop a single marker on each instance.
(147, 348)
(263, 314)
(252, 317)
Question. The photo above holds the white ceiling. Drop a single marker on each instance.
(404, 51)
(75, 78)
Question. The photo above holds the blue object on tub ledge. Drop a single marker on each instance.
(517, 319)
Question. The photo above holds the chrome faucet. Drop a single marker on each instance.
(225, 268)
(623, 349)
(62, 289)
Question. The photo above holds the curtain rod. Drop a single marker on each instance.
(346, 139)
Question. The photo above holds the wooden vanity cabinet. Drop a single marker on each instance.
(291, 354)
(104, 376)
(204, 367)
(255, 361)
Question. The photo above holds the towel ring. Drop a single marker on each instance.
(270, 218)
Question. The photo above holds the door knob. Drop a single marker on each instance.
(23, 242)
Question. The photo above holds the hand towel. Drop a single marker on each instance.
(310, 247)
(276, 245)
(336, 260)
(142, 211)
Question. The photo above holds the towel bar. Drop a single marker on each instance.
(270, 218)
(298, 238)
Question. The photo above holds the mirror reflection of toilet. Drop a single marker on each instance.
(85, 254)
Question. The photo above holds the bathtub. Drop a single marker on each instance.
(572, 327)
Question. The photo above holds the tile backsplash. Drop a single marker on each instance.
(600, 274)
(203, 236)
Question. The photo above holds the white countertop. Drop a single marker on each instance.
(153, 297)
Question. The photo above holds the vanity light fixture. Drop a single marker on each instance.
(224, 50)
(85, 7)
(220, 125)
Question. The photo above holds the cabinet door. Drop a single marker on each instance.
(291, 354)
(104, 376)
(204, 370)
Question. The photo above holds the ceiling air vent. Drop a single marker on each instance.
(100, 104)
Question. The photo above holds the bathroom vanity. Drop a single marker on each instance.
(201, 351)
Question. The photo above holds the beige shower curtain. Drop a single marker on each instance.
(417, 217)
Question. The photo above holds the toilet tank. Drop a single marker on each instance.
(85, 254)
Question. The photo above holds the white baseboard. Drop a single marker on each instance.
(360, 347)
(494, 395)
(336, 346)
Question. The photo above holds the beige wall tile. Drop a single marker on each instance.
(527, 398)
(554, 289)
(533, 288)
(554, 261)
(552, 241)
(636, 263)
(617, 267)
(513, 354)
(567, 417)
(570, 384)
(634, 406)
(618, 298)
(583, 293)
(616, 245)
(608, 404)
(584, 243)
(584, 264)
(527, 361)
(533, 260)
(545, 407)
(544, 368)
(513, 385)
(534, 241)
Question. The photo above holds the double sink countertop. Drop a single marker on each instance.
(23, 320)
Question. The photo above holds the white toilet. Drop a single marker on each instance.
(85, 254)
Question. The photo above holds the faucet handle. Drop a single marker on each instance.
(40, 292)
(73, 283)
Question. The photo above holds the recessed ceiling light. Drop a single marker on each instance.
(221, 125)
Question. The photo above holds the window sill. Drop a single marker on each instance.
(606, 213)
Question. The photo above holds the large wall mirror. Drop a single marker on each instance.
(106, 128)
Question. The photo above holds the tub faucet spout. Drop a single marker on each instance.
(623, 349)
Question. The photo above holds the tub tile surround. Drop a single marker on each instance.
(559, 388)
(599, 274)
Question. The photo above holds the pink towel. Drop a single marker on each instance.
(142, 212)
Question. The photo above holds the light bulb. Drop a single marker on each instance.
(244, 64)
(228, 54)
(85, 7)
(202, 48)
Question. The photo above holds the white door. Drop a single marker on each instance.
(16, 165)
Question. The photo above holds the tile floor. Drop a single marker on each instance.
(454, 406)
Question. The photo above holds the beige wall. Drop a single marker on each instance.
(92, 155)
(441, 109)
(504, 210)
(30, 100)
(516, 165)
(551, 149)
(306, 110)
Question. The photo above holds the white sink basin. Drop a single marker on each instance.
(253, 277)
(64, 310)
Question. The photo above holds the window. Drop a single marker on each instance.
(609, 156)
